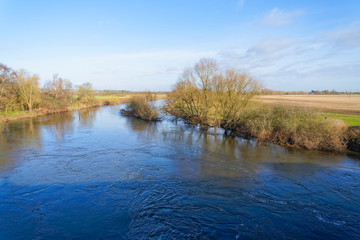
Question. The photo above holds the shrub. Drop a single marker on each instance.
(292, 127)
(86, 93)
(142, 107)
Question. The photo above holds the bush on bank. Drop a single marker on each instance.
(296, 127)
(208, 97)
(142, 107)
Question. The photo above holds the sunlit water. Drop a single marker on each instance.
(95, 174)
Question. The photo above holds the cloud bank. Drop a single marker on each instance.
(278, 17)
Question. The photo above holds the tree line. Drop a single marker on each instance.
(20, 90)
(312, 92)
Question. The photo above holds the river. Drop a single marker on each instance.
(94, 174)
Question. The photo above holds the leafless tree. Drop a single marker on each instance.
(27, 89)
(7, 90)
(59, 90)
(207, 96)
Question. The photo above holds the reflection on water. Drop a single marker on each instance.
(27, 136)
(96, 174)
(87, 116)
(24, 135)
(60, 124)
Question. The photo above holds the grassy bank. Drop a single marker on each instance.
(287, 126)
(342, 107)
(229, 100)
(295, 127)
(350, 119)
(13, 115)
(100, 101)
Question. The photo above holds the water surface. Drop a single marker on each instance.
(94, 174)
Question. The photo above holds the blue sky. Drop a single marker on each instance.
(145, 45)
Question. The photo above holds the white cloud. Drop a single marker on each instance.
(348, 37)
(277, 17)
(301, 64)
(270, 46)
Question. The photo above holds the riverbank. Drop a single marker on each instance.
(102, 100)
(42, 111)
(282, 124)
(329, 107)
(286, 126)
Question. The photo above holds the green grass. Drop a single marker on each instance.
(350, 119)
(12, 112)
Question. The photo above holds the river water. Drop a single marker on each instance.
(94, 174)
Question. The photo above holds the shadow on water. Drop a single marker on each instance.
(95, 174)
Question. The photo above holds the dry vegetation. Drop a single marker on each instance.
(115, 99)
(206, 97)
(292, 126)
(20, 92)
(142, 107)
(22, 96)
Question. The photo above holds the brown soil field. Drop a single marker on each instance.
(330, 103)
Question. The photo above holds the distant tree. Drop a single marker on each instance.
(271, 92)
(7, 88)
(58, 90)
(27, 89)
(86, 93)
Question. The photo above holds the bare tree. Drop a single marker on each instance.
(7, 90)
(27, 89)
(59, 90)
(233, 92)
(194, 90)
(206, 96)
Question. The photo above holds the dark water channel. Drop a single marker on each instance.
(94, 174)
